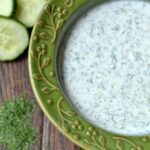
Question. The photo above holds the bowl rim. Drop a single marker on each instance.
(75, 135)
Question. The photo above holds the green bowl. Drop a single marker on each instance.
(47, 37)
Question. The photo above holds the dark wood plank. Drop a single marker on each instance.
(54, 140)
(14, 81)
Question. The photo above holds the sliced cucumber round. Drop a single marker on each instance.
(6, 7)
(28, 11)
(14, 39)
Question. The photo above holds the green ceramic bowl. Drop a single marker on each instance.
(47, 36)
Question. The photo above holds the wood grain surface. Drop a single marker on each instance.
(14, 81)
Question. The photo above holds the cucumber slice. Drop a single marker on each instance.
(14, 39)
(6, 7)
(28, 11)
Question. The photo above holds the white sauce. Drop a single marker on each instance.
(106, 67)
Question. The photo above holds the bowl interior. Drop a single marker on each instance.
(102, 65)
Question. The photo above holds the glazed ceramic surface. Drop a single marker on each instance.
(46, 40)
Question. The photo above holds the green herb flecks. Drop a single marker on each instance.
(16, 132)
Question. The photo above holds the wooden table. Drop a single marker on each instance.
(14, 81)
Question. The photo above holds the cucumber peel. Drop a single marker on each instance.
(14, 39)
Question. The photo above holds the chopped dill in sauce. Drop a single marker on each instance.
(106, 66)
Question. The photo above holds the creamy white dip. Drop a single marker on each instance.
(106, 67)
